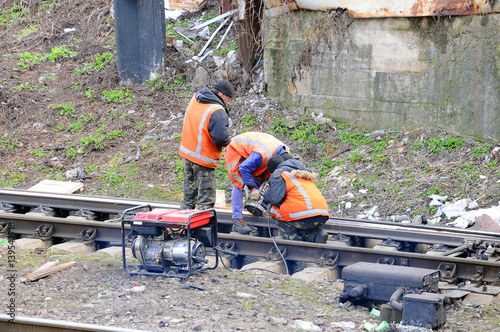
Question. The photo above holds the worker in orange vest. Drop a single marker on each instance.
(246, 158)
(297, 206)
(205, 133)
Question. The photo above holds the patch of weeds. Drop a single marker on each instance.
(16, 12)
(101, 61)
(117, 95)
(59, 52)
(179, 169)
(89, 169)
(27, 31)
(379, 146)
(356, 156)
(28, 86)
(71, 151)
(9, 145)
(90, 94)
(327, 166)
(139, 125)
(227, 49)
(379, 159)
(20, 163)
(491, 164)
(279, 128)
(154, 85)
(221, 177)
(435, 190)
(9, 179)
(435, 144)
(96, 141)
(75, 86)
(357, 138)
(66, 109)
(417, 145)
(39, 153)
(480, 151)
(249, 120)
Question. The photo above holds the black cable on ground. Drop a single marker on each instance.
(275, 244)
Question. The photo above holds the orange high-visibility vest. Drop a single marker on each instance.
(303, 200)
(196, 143)
(242, 146)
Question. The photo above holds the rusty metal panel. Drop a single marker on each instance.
(395, 8)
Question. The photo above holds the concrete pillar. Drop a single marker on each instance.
(140, 39)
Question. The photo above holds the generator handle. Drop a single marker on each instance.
(124, 212)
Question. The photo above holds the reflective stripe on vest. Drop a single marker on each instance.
(242, 146)
(310, 212)
(250, 142)
(197, 153)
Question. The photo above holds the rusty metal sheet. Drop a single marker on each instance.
(394, 8)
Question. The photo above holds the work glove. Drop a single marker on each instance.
(254, 194)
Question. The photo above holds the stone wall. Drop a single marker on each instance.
(392, 73)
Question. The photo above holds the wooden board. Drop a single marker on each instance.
(58, 187)
(40, 273)
(187, 4)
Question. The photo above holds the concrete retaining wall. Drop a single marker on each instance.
(392, 73)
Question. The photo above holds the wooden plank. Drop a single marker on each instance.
(45, 266)
(187, 4)
(39, 273)
(58, 187)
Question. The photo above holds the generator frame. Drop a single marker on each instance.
(171, 272)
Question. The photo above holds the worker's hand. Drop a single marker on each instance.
(254, 194)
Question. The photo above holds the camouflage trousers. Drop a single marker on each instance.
(199, 187)
(298, 230)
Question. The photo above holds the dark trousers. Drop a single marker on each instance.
(300, 230)
(199, 187)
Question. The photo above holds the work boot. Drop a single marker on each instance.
(240, 226)
(321, 236)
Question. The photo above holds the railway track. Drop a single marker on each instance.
(458, 254)
(24, 324)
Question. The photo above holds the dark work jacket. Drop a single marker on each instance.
(218, 127)
(276, 193)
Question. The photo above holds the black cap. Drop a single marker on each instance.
(225, 87)
(274, 162)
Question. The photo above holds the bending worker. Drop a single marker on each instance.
(297, 206)
(205, 133)
(246, 158)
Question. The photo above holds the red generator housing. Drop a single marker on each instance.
(169, 242)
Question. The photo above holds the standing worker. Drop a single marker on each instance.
(205, 133)
(297, 206)
(246, 158)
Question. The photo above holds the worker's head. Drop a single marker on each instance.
(225, 89)
(276, 160)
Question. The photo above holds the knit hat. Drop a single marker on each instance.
(274, 162)
(225, 87)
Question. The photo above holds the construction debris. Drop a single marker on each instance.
(187, 4)
(48, 269)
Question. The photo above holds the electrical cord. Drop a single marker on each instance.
(272, 237)
(275, 245)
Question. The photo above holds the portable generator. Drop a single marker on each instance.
(169, 242)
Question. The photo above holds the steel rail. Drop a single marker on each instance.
(25, 224)
(25, 324)
(340, 256)
(261, 247)
(112, 207)
(346, 226)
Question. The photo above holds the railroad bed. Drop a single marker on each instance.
(460, 255)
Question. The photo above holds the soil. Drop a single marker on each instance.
(396, 171)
